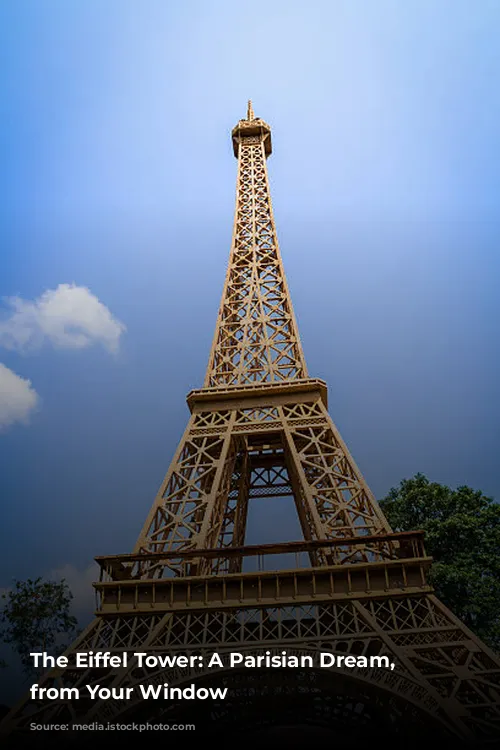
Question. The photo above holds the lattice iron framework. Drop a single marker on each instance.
(260, 427)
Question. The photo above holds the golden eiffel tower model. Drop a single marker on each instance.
(259, 428)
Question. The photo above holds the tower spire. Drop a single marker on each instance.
(256, 338)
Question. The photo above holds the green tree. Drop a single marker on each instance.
(462, 533)
(36, 617)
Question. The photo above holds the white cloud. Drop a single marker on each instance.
(17, 398)
(70, 317)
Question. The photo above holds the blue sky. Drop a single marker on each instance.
(118, 177)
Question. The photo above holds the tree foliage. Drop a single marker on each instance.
(36, 617)
(462, 533)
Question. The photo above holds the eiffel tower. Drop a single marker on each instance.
(260, 428)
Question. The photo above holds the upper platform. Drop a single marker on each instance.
(252, 126)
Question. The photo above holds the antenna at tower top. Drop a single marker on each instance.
(251, 127)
